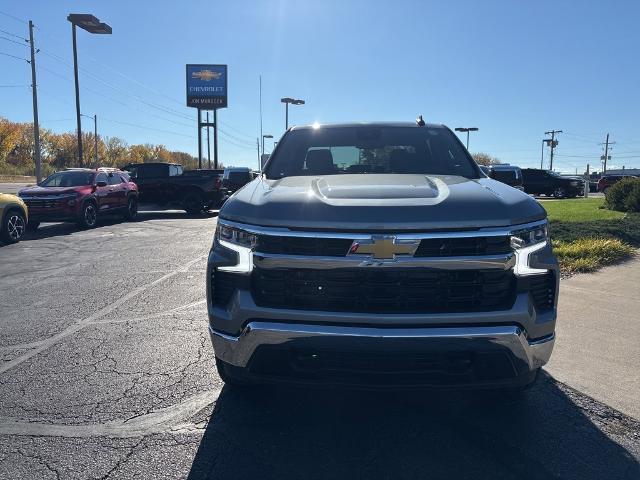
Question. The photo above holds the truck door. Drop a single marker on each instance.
(152, 183)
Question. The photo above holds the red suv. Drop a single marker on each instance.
(81, 195)
(605, 182)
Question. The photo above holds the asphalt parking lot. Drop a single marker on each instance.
(107, 372)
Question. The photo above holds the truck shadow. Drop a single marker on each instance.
(287, 433)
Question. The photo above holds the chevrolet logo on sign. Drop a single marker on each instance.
(206, 75)
(384, 247)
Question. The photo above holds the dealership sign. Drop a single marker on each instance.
(207, 86)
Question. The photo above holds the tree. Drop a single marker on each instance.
(116, 152)
(485, 159)
(60, 150)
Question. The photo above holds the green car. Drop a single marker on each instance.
(14, 215)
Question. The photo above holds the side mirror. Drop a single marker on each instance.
(101, 184)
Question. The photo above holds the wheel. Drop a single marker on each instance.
(89, 215)
(13, 226)
(193, 203)
(132, 209)
(559, 192)
(32, 226)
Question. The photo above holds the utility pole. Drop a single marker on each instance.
(553, 144)
(95, 137)
(34, 91)
(606, 153)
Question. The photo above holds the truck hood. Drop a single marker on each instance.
(375, 202)
(44, 191)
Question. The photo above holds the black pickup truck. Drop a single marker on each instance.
(167, 184)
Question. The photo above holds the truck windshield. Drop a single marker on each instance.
(68, 179)
(370, 149)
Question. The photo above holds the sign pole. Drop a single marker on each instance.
(208, 144)
(199, 140)
(215, 138)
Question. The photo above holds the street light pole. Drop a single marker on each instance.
(92, 25)
(287, 101)
(467, 130)
(75, 74)
(263, 137)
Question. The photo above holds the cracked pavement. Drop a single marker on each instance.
(106, 371)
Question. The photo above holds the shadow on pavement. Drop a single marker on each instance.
(276, 433)
(47, 230)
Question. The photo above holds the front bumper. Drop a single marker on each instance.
(239, 350)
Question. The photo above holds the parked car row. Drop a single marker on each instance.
(608, 180)
(82, 195)
(535, 181)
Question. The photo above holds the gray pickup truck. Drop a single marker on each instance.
(380, 254)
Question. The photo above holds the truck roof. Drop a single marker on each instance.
(366, 124)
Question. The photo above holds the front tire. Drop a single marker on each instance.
(132, 209)
(559, 192)
(193, 203)
(13, 226)
(89, 215)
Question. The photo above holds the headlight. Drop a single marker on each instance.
(529, 236)
(525, 242)
(239, 241)
(236, 236)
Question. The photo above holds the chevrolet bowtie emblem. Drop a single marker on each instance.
(384, 247)
(206, 75)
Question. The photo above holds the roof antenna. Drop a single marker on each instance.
(420, 121)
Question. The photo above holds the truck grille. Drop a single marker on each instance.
(449, 247)
(339, 247)
(333, 247)
(385, 290)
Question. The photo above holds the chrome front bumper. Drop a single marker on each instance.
(528, 355)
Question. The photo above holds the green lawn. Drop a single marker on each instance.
(579, 210)
(586, 237)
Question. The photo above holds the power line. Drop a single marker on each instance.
(146, 127)
(13, 56)
(13, 17)
(13, 41)
(141, 84)
(14, 86)
(14, 35)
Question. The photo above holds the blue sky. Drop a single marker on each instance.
(514, 69)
